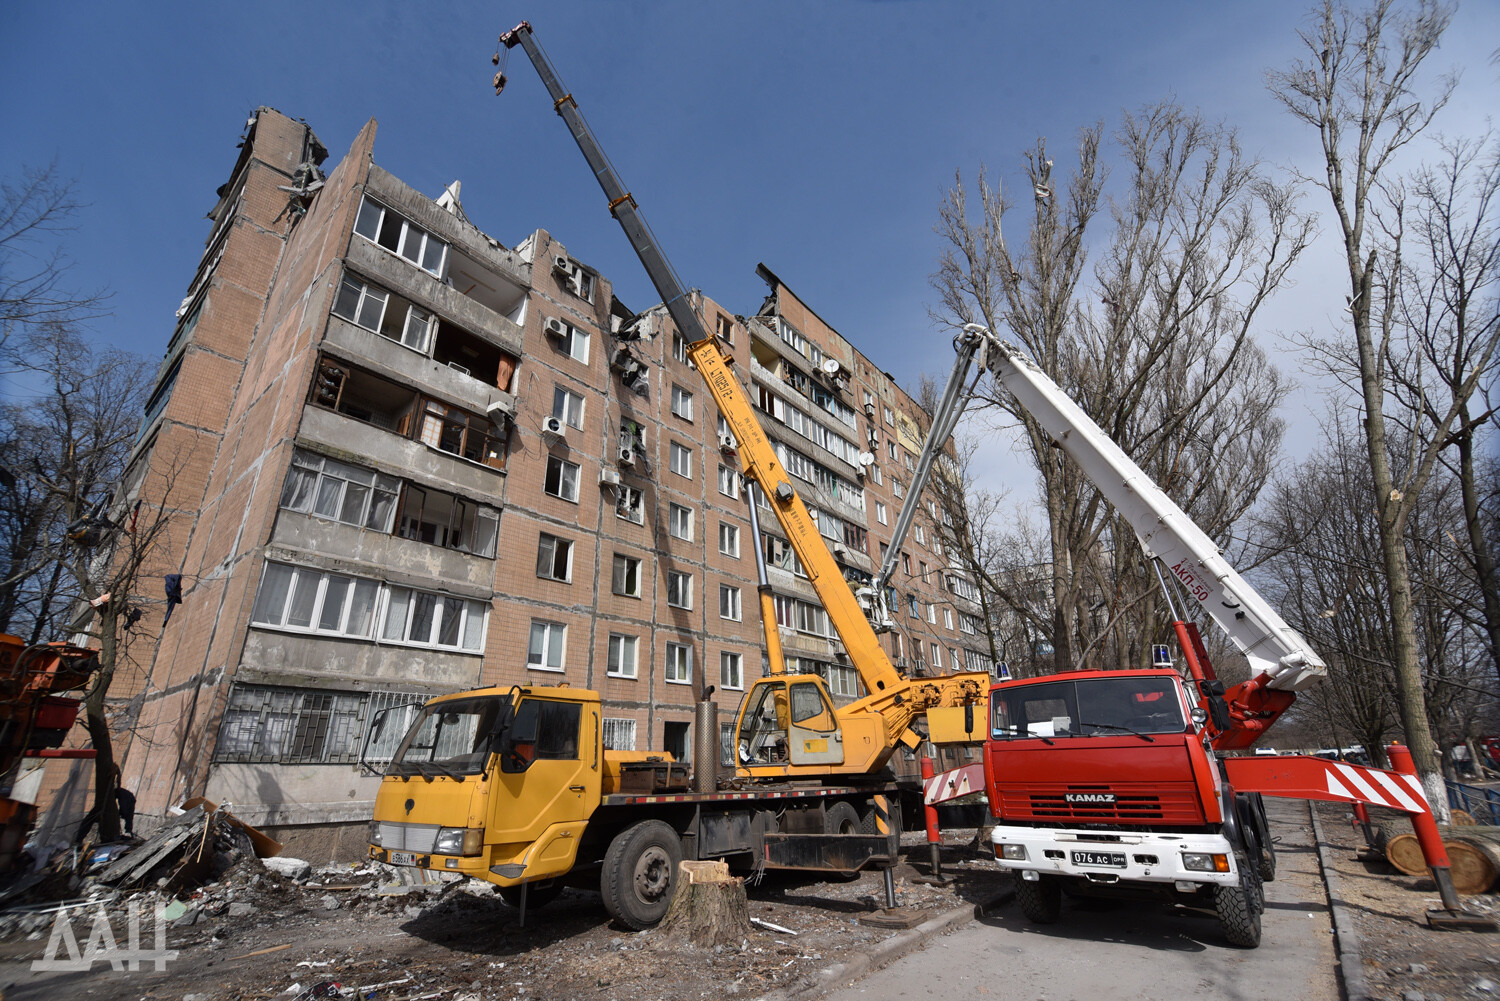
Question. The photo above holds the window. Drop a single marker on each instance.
(779, 553)
(922, 569)
(567, 406)
(574, 343)
(680, 522)
(263, 723)
(622, 659)
(724, 329)
(329, 489)
(547, 646)
(729, 482)
(630, 505)
(619, 734)
(947, 618)
(679, 347)
(679, 664)
(932, 615)
(897, 487)
(450, 429)
(679, 589)
(682, 403)
(890, 448)
(441, 519)
(360, 303)
(726, 745)
(729, 539)
(380, 225)
(906, 458)
(626, 578)
(561, 479)
(912, 606)
(682, 460)
(423, 618)
(875, 474)
(937, 656)
(906, 564)
(921, 535)
(729, 602)
(955, 662)
(305, 599)
(880, 512)
(731, 670)
(967, 623)
(890, 418)
(554, 558)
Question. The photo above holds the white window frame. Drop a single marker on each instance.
(366, 294)
(729, 482)
(947, 618)
(301, 580)
(567, 488)
(554, 646)
(684, 584)
(410, 232)
(543, 540)
(405, 598)
(880, 512)
(680, 522)
(729, 539)
(630, 562)
(682, 402)
(731, 671)
(575, 343)
(616, 649)
(680, 459)
(623, 505)
(563, 408)
(678, 666)
(731, 605)
(325, 473)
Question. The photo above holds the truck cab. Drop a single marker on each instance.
(1104, 783)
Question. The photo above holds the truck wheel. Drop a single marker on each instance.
(537, 895)
(1239, 906)
(640, 874)
(1040, 900)
(841, 818)
(1267, 863)
(1267, 858)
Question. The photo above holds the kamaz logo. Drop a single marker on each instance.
(1090, 797)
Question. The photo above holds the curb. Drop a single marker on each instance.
(893, 948)
(1346, 939)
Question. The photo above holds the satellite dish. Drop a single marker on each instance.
(831, 366)
(866, 459)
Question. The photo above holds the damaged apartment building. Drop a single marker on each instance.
(402, 459)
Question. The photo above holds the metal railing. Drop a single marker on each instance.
(1483, 804)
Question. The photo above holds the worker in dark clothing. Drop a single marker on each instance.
(125, 804)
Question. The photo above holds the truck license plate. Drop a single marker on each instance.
(408, 858)
(1114, 860)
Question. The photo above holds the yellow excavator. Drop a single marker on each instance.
(514, 786)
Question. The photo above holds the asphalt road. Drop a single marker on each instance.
(1129, 951)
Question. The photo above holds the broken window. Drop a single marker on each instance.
(554, 558)
(729, 482)
(451, 429)
(630, 505)
(441, 519)
(473, 356)
(363, 396)
(327, 488)
(561, 479)
(388, 229)
(626, 577)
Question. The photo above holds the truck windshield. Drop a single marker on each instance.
(451, 738)
(1092, 707)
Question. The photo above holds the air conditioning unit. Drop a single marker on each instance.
(840, 552)
(627, 456)
(859, 472)
(562, 265)
(609, 478)
(726, 442)
(555, 327)
(500, 411)
(554, 426)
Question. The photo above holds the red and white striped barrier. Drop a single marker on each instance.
(952, 784)
(1300, 777)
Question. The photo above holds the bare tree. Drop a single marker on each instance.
(1154, 342)
(34, 208)
(1359, 89)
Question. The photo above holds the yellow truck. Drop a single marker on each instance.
(514, 786)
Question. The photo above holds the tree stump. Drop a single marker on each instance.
(709, 907)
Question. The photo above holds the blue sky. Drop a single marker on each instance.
(816, 137)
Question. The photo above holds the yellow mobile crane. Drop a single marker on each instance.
(513, 785)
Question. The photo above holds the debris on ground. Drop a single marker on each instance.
(261, 927)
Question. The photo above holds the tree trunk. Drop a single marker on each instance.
(106, 773)
(709, 907)
(1484, 560)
